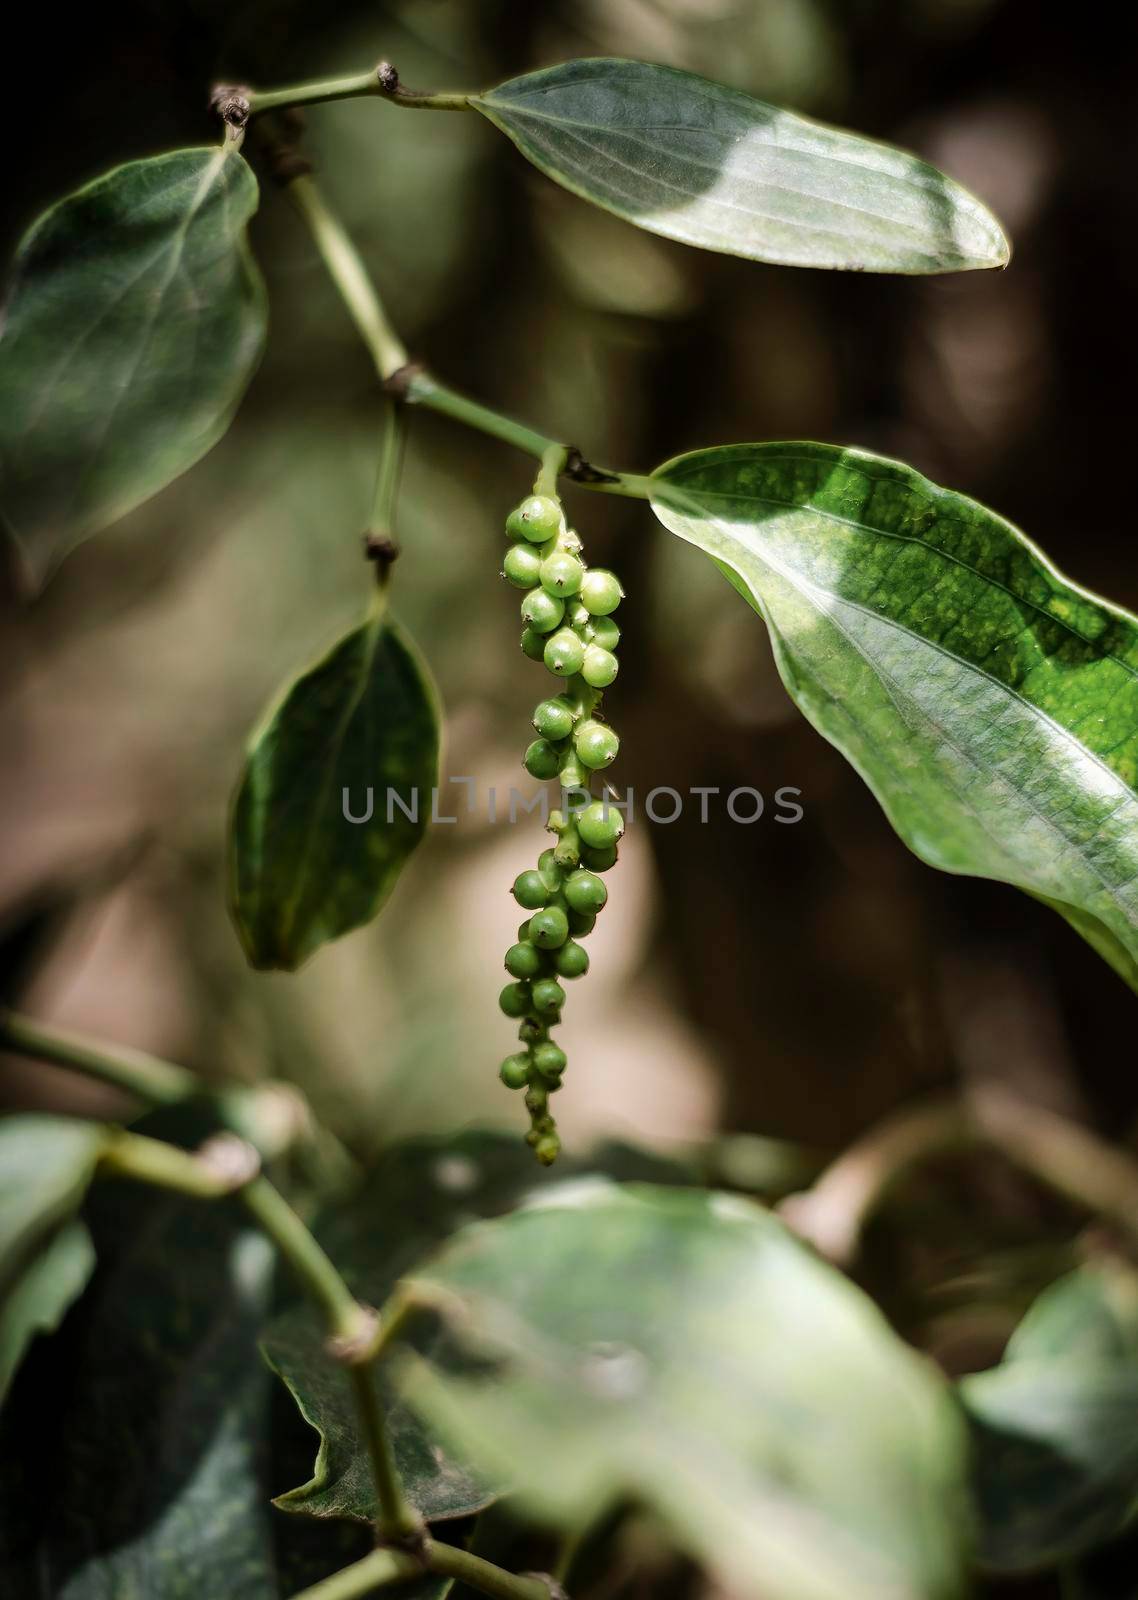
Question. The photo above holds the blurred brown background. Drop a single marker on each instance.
(789, 981)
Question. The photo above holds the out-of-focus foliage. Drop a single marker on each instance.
(133, 326)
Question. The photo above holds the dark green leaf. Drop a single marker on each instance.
(1056, 1446)
(365, 717)
(415, 1198)
(990, 704)
(710, 166)
(134, 324)
(137, 1458)
(46, 1164)
(683, 1350)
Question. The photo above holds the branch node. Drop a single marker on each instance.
(232, 104)
(362, 1344)
(387, 78)
(231, 1160)
(382, 549)
(581, 471)
(398, 384)
(556, 1592)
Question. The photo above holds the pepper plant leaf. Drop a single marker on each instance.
(695, 161)
(1055, 1449)
(46, 1164)
(364, 719)
(150, 1415)
(135, 320)
(682, 1350)
(990, 704)
(414, 1198)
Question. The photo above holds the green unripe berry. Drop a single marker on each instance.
(605, 633)
(533, 645)
(600, 592)
(549, 928)
(542, 760)
(537, 519)
(561, 573)
(572, 960)
(516, 999)
(548, 996)
(547, 1149)
(549, 1059)
(582, 923)
(598, 860)
(578, 617)
(523, 960)
(600, 825)
(599, 666)
(531, 1031)
(596, 744)
(564, 653)
(529, 890)
(547, 866)
(522, 566)
(553, 719)
(585, 892)
(543, 612)
(514, 1071)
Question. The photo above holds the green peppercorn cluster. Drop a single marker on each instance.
(567, 616)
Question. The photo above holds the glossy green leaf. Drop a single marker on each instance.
(990, 704)
(1055, 1443)
(301, 873)
(134, 323)
(416, 1196)
(46, 1164)
(710, 166)
(681, 1349)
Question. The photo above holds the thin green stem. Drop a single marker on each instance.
(269, 1114)
(389, 470)
(350, 276)
(375, 1571)
(424, 390)
(380, 83)
(451, 1562)
(418, 387)
(156, 1082)
(358, 86)
(397, 1519)
(311, 1266)
(553, 462)
(216, 1171)
(354, 1328)
(132, 1155)
(384, 1567)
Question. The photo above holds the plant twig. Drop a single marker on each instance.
(270, 1114)
(348, 273)
(227, 1164)
(380, 82)
(1067, 1158)
(384, 1567)
(375, 1571)
(155, 1082)
(408, 383)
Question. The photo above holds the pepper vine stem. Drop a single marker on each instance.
(406, 382)
(226, 1166)
(381, 82)
(384, 1567)
(1071, 1161)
